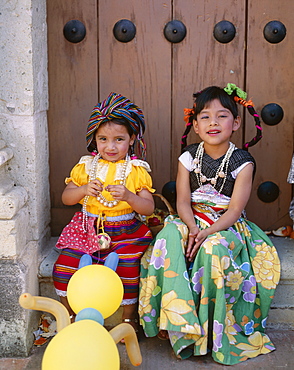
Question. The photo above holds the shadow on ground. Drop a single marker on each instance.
(157, 354)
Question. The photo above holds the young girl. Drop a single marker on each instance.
(208, 280)
(112, 187)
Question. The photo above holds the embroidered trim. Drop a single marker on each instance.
(125, 217)
(103, 167)
(127, 302)
(87, 160)
(140, 163)
(61, 293)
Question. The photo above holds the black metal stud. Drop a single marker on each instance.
(268, 192)
(124, 30)
(272, 114)
(169, 191)
(274, 32)
(175, 31)
(74, 31)
(224, 32)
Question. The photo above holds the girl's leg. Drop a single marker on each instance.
(72, 315)
(130, 315)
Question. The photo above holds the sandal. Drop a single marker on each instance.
(283, 231)
(134, 323)
(163, 335)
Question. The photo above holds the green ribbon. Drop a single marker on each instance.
(230, 88)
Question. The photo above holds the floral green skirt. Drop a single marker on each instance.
(218, 303)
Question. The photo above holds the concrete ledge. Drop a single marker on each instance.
(46, 286)
(281, 318)
(46, 266)
(284, 296)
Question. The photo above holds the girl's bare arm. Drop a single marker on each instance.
(184, 207)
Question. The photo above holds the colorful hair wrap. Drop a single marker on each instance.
(116, 106)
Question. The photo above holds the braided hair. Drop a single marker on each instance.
(228, 97)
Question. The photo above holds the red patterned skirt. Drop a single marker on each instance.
(129, 239)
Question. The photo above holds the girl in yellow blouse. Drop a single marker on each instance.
(112, 188)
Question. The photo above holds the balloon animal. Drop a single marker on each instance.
(94, 293)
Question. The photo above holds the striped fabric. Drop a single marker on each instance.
(208, 214)
(116, 106)
(129, 239)
(65, 266)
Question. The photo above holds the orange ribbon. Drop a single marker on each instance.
(243, 102)
(187, 114)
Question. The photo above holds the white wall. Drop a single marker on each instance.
(24, 172)
(24, 104)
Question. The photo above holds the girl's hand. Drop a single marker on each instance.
(72, 194)
(191, 242)
(118, 192)
(195, 242)
(141, 202)
(92, 188)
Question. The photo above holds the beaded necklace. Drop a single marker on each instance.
(221, 172)
(101, 199)
(111, 203)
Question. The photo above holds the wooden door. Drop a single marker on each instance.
(161, 76)
(73, 92)
(270, 80)
(141, 70)
(200, 60)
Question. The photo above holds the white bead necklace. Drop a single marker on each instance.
(101, 199)
(221, 172)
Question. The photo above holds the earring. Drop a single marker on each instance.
(133, 155)
(95, 152)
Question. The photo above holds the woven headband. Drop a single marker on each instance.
(240, 98)
(116, 106)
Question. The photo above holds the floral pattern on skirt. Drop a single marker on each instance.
(220, 302)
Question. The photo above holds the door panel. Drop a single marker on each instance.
(141, 70)
(73, 76)
(270, 79)
(200, 60)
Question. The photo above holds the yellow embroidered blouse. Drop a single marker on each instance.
(109, 173)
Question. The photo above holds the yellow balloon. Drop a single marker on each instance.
(95, 286)
(83, 345)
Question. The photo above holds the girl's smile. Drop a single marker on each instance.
(113, 141)
(215, 124)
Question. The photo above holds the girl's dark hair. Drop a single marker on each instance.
(124, 122)
(228, 101)
(203, 98)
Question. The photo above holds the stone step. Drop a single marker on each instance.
(282, 309)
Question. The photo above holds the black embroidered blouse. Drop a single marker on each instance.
(210, 166)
